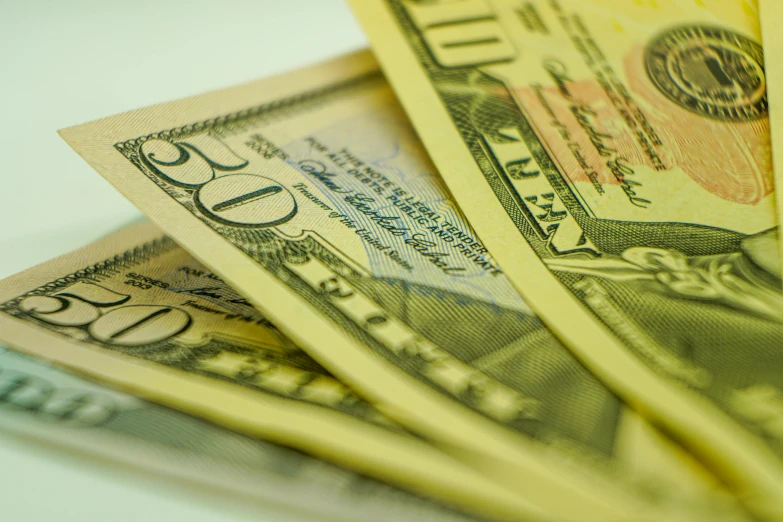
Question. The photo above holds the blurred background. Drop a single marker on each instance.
(68, 62)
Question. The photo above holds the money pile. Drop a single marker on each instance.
(518, 262)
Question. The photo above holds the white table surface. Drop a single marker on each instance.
(67, 62)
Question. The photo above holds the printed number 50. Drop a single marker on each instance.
(233, 199)
(128, 325)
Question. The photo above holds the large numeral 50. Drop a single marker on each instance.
(232, 199)
(81, 304)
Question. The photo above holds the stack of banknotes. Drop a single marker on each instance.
(519, 261)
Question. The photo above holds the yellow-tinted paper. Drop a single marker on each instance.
(771, 14)
(311, 194)
(615, 158)
(137, 310)
(60, 410)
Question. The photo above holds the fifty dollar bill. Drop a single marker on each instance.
(615, 157)
(139, 311)
(311, 194)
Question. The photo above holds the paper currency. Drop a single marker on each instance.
(139, 311)
(615, 158)
(39, 401)
(770, 13)
(311, 194)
